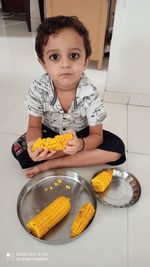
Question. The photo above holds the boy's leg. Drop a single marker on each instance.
(19, 151)
(113, 143)
(112, 152)
(81, 159)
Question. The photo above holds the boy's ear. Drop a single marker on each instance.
(42, 63)
(86, 62)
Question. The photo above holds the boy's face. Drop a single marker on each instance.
(64, 58)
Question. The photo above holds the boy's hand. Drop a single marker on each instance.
(74, 145)
(39, 154)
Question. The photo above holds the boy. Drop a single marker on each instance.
(65, 100)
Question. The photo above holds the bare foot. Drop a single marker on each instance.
(32, 171)
(47, 165)
(39, 168)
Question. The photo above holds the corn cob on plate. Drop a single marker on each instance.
(102, 180)
(46, 219)
(122, 191)
(82, 219)
(42, 190)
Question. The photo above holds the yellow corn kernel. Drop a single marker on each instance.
(82, 219)
(68, 187)
(59, 181)
(49, 217)
(59, 142)
(101, 181)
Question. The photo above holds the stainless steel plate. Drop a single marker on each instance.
(124, 190)
(43, 189)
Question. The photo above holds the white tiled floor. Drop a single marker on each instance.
(118, 237)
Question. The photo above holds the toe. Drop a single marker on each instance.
(32, 172)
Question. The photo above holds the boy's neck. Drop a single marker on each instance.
(66, 98)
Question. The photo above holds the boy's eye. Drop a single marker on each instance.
(74, 56)
(54, 57)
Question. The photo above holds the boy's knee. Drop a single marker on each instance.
(16, 149)
(117, 159)
(21, 155)
(116, 156)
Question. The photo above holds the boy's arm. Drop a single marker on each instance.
(95, 137)
(34, 128)
(34, 131)
(93, 140)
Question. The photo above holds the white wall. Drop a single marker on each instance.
(129, 66)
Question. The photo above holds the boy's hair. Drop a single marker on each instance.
(53, 25)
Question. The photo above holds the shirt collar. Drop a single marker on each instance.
(49, 84)
(53, 101)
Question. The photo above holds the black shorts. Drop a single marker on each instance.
(111, 143)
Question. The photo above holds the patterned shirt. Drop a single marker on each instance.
(87, 109)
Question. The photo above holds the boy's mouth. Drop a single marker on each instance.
(66, 74)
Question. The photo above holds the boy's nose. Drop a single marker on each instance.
(66, 63)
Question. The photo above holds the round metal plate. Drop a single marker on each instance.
(124, 190)
(43, 189)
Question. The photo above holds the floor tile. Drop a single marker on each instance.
(139, 100)
(138, 215)
(117, 120)
(116, 97)
(139, 129)
(15, 120)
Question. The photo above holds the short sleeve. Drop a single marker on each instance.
(33, 101)
(96, 113)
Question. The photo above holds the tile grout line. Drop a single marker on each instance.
(127, 237)
(8, 133)
(127, 132)
(133, 105)
(126, 92)
(138, 153)
(129, 97)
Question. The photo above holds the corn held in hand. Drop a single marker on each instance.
(59, 142)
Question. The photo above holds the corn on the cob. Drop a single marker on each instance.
(82, 219)
(59, 142)
(101, 181)
(49, 217)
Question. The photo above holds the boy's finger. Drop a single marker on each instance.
(37, 152)
(44, 155)
(69, 149)
(71, 142)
